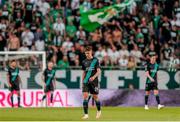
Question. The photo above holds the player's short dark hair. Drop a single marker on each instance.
(88, 48)
(50, 62)
(11, 61)
(152, 55)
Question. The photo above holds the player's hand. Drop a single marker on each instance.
(91, 78)
(44, 85)
(152, 80)
(10, 85)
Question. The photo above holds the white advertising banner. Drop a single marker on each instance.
(33, 98)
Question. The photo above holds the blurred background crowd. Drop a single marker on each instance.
(145, 28)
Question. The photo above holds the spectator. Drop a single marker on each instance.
(123, 52)
(81, 34)
(2, 43)
(38, 34)
(166, 53)
(71, 30)
(27, 37)
(100, 54)
(144, 29)
(14, 42)
(44, 7)
(123, 62)
(67, 44)
(137, 54)
(17, 7)
(131, 63)
(63, 64)
(5, 13)
(150, 51)
(113, 55)
(59, 26)
(24, 48)
(165, 27)
(28, 11)
(73, 57)
(155, 23)
(39, 45)
(18, 20)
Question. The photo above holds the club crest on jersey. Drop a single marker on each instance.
(14, 73)
(50, 75)
(153, 70)
(90, 68)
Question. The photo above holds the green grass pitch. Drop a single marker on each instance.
(75, 114)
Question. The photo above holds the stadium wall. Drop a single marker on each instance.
(73, 98)
(109, 79)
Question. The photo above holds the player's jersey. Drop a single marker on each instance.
(90, 68)
(152, 68)
(13, 74)
(49, 76)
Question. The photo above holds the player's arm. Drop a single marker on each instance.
(54, 83)
(83, 75)
(20, 81)
(96, 75)
(43, 79)
(98, 72)
(148, 75)
(8, 80)
(84, 71)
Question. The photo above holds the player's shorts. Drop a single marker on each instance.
(49, 88)
(91, 88)
(15, 87)
(151, 86)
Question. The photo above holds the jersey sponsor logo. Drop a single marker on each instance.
(90, 68)
(153, 70)
(50, 75)
(14, 74)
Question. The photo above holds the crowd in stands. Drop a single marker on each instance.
(145, 28)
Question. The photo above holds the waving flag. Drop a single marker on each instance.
(93, 19)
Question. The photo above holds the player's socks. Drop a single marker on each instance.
(146, 99)
(12, 101)
(85, 106)
(44, 97)
(51, 97)
(18, 101)
(157, 99)
(98, 105)
(89, 98)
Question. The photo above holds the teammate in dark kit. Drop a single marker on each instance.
(91, 71)
(151, 81)
(14, 80)
(49, 81)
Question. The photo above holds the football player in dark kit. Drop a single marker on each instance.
(91, 71)
(14, 80)
(151, 81)
(49, 81)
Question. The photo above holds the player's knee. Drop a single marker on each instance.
(95, 97)
(85, 95)
(156, 92)
(18, 93)
(147, 92)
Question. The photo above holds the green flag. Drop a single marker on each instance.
(93, 19)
